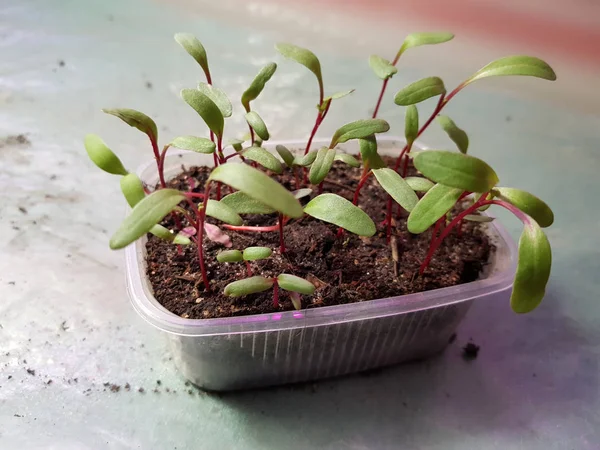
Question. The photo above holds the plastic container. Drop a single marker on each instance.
(297, 346)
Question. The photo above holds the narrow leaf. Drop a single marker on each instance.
(103, 156)
(147, 213)
(257, 124)
(359, 129)
(411, 123)
(337, 210)
(218, 97)
(244, 204)
(456, 170)
(137, 120)
(222, 212)
(259, 186)
(229, 256)
(258, 84)
(458, 136)
(528, 203)
(515, 65)
(193, 46)
(348, 159)
(256, 253)
(286, 155)
(533, 269)
(167, 235)
(296, 300)
(248, 286)
(420, 91)
(339, 95)
(195, 144)
(132, 189)
(419, 184)
(302, 56)
(434, 204)
(478, 218)
(418, 39)
(368, 152)
(295, 284)
(399, 189)
(206, 108)
(301, 193)
(382, 67)
(236, 144)
(264, 158)
(322, 165)
(306, 160)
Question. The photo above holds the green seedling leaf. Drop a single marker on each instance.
(419, 184)
(478, 218)
(256, 253)
(286, 155)
(296, 300)
(147, 213)
(368, 152)
(456, 170)
(301, 193)
(229, 256)
(399, 189)
(103, 156)
(337, 210)
(244, 204)
(167, 235)
(293, 283)
(248, 286)
(132, 189)
(458, 136)
(258, 84)
(236, 144)
(348, 159)
(382, 67)
(322, 165)
(418, 39)
(206, 108)
(257, 124)
(264, 158)
(533, 269)
(302, 56)
(180, 238)
(434, 204)
(193, 46)
(528, 203)
(338, 95)
(218, 97)
(306, 160)
(528, 66)
(259, 186)
(420, 91)
(359, 129)
(195, 144)
(222, 212)
(137, 120)
(411, 123)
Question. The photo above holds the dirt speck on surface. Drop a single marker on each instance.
(470, 351)
(141, 390)
(13, 140)
(31, 371)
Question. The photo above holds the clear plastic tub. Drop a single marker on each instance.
(298, 346)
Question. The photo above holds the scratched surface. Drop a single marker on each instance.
(74, 355)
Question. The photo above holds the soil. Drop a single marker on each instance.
(344, 270)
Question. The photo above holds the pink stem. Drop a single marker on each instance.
(248, 268)
(363, 179)
(201, 214)
(383, 87)
(320, 117)
(255, 229)
(281, 241)
(275, 294)
(194, 195)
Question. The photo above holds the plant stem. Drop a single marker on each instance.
(383, 88)
(281, 241)
(320, 117)
(159, 165)
(194, 194)
(275, 293)
(248, 269)
(255, 229)
(201, 214)
(363, 179)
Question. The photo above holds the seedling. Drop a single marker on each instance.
(285, 281)
(249, 254)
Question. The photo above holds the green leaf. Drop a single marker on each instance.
(528, 203)
(382, 67)
(258, 84)
(103, 156)
(218, 97)
(132, 189)
(222, 212)
(195, 144)
(348, 159)
(257, 124)
(368, 152)
(359, 129)
(244, 204)
(229, 256)
(533, 269)
(419, 184)
(264, 158)
(399, 189)
(478, 218)
(259, 186)
(456, 170)
(302, 56)
(337, 210)
(301, 193)
(411, 124)
(137, 120)
(256, 253)
(167, 235)
(248, 286)
(180, 238)
(338, 95)
(515, 65)
(434, 204)
(236, 144)
(306, 160)
(295, 284)
(206, 108)
(322, 165)
(420, 91)
(458, 136)
(418, 39)
(296, 300)
(147, 213)
(286, 155)
(193, 46)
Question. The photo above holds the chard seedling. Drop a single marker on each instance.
(249, 254)
(256, 284)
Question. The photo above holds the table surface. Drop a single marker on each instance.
(73, 353)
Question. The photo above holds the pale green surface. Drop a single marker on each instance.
(535, 384)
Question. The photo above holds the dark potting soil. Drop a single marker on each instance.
(344, 270)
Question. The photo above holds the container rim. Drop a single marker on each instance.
(149, 309)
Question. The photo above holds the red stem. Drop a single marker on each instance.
(159, 164)
(248, 268)
(383, 88)
(218, 191)
(363, 179)
(281, 241)
(194, 194)
(201, 214)
(255, 229)
(275, 293)
(320, 117)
